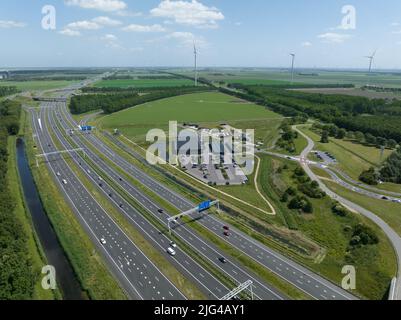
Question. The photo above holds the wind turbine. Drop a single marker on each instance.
(292, 67)
(371, 58)
(196, 64)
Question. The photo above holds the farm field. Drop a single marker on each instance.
(143, 83)
(206, 109)
(354, 92)
(307, 76)
(37, 85)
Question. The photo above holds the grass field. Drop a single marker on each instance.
(37, 85)
(312, 76)
(375, 264)
(143, 83)
(208, 109)
(352, 157)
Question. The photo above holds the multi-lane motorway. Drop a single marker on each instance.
(314, 285)
(140, 278)
(137, 274)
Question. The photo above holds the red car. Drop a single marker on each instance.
(226, 228)
(226, 233)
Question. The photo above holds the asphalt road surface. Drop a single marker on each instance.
(126, 261)
(304, 279)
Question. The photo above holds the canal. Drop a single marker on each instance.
(66, 279)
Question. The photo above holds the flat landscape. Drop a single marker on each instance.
(204, 108)
(143, 83)
(305, 76)
(37, 85)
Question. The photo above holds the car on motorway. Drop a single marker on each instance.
(223, 260)
(103, 241)
(173, 245)
(226, 233)
(171, 252)
(384, 198)
(58, 174)
(160, 210)
(226, 228)
(64, 181)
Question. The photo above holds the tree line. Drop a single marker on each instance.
(378, 117)
(115, 102)
(17, 277)
(8, 90)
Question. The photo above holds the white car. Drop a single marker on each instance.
(58, 174)
(171, 252)
(173, 245)
(103, 241)
(64, 181)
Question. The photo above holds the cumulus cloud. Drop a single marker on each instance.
(83, 25)
(11, 24)
(144, 28)
(101, 5)
(106, 21)
(332, 37)
(191, 13)
(306, 44)
(70, 33)
(187, 39)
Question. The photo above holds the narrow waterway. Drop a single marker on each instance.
(65, 276)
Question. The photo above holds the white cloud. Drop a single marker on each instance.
(238, 24)
(306, 44)
(101, 5)
(395, 24)
(332, 37)
(109, 37)
(70, 33)
(125, 13)
(11, 24)
(144, 28)
(187, 39)
(83, 25)
(191, 13)
(106, 21)
(111, 41)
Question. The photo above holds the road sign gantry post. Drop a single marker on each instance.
(199, 209)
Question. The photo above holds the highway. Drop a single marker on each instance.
(125, 260)
(304, 279)
(391, 234)
(206, 250)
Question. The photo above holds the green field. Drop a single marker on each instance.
(36, 85)
(207, 109)
(143, 83)
(376, 264)
(312, 76)
(352, 157)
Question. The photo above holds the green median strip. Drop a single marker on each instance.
(184, 285)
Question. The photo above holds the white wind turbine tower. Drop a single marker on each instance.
(196, 64)
(292, 67)
(371, 59)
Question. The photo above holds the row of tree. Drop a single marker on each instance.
(332, 130)
(17, 277)
(378, 117)
(7, 90)
(115, 102)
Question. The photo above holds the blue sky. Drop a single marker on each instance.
(258, 33)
